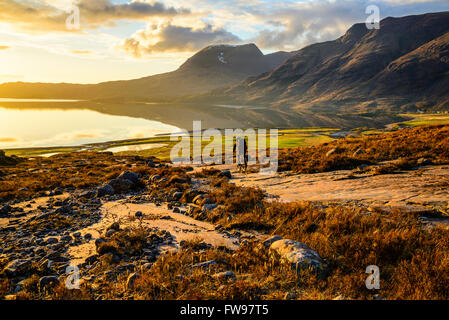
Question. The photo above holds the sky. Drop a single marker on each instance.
(42, 41)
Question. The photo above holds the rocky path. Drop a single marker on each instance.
(180, 226)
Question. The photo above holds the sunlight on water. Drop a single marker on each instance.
(26, 128)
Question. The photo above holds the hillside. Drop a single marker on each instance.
(403, 64)
(211, 68)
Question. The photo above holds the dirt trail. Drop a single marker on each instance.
(180, 226)
(421, 191)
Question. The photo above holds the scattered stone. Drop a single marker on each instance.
(332, 151)
(225, 275)
(176, 210)
(209, 206)
(115, 226)
(139, 214)
(106, 190)
(424, 162)
(226, 174)
(205, 265)
(270, 240)
(51, 241)
(92, 259)
(17, 267)
(290, 296)
(48, 281)
(177, 196)
(121, 185)
(151, 163)
(147, 266)
(6, 209)
(357, 152)
(131, 280)
(87, 236)
(131, 176)
(298, 254)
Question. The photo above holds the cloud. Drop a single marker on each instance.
(51, 15)
(5, 47)
(7, 139)
(166, 37)
(81, 52)
(292, 25)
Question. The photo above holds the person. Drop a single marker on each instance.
(237, 146)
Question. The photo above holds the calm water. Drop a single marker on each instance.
(26, 128)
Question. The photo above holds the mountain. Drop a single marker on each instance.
(402, 66)
(213, 67)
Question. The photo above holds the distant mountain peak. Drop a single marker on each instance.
(224, 55)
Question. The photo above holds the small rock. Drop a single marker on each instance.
(270, 240)
(17, 267)
(106, 190)
(49, 281)
(357, 152)
(225, 275)
(5, 210)
(205, 265)
(290, 296)
(226, 174)
(131, 176)
(51, 241)
(139, 214)
(147, 266)
(115, 226)
(177, 196)
(131, 280)
(209, 206)
(331, 152)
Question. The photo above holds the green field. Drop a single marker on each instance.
(423, 119)
(288, 138)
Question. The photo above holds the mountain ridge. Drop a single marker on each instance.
(213, 67)
(381, 68)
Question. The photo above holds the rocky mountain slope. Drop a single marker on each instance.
(213, 67)
(403, 64)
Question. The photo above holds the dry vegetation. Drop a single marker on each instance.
(413, 258)
(38, 176)
(430, 143)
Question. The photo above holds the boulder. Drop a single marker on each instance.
(210, 206)
(177, 195)
(17, 267)
(48, 281)
(106, 190)
(4, 160)
(226, 174)
(270, 240)
(6, 209)
(131, 176)
(121, 185)
(298, 254)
